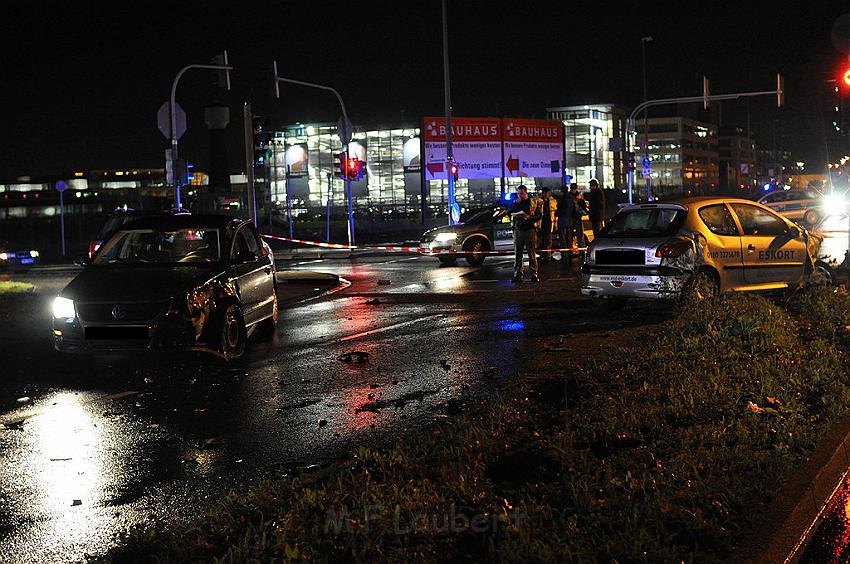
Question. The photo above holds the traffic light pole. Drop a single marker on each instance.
(447, 87)
(630, 123)
(277, 81)
(173, 111)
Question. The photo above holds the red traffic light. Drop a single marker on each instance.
(455, 170)
(353, 165)
(845, 78)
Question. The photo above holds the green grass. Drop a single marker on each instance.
(653, 454)
(7, 287)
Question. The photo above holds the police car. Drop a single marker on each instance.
(698, 246)
(806, 206)
(485, 230)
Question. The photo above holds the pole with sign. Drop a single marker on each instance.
(60, 187)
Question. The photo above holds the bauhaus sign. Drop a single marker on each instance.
(493, 147)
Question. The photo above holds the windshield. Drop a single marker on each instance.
(476, 216)
(644, 222)
(144, 246)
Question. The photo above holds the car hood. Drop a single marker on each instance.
(135, 283)
(431, 234)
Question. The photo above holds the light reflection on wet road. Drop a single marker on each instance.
(77, 467)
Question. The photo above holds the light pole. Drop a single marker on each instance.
(643, 42)
(448, 91)
(343, 129)
(173, 111)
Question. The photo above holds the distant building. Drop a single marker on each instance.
(594, 136)
(683, 155)
(737, 160)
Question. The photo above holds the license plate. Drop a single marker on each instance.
(618, 278)
(116, 333)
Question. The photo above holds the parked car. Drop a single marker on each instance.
(483, 230)
(15, 259)
(188, 282)
(802, 206)
(700, 246)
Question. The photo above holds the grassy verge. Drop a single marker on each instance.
(7, 287)
(664, 452)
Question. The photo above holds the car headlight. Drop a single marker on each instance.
(34, 254)
(445, 237)
(4, 256)
(63, 307)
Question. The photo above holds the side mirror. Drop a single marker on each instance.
(794, 232)
(82, 260)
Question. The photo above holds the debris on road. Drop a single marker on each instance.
(322, 423)
(355, 357)
(16, 425)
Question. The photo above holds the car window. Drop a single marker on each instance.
(758, 222)
(797, 195)
(773, 198)
(719, 220)
(140, 246)
(244, 243)
(644, 222)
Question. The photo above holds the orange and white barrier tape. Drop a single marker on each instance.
(421, 250)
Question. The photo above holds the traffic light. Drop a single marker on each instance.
(455, 170)
(631, 161)
(262, 148)
(845, 78)
(350, 168)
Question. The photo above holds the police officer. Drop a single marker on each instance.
(548, 224)
(526, 217)
(566, 210)
(596, 206)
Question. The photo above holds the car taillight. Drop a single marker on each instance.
(673, 249)
(93, 247)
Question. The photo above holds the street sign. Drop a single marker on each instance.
(646, 162)
(647, 172)
(60, 186)
(169, 167)
(344, 129)
(163, 120)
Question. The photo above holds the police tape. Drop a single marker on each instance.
(404, 249)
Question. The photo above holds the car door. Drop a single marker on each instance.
(503, 232)
(723, 244)
(252, 274)
(771, 250)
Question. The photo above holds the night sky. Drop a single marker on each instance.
(81, 82)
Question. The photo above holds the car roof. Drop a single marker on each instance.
(173, 222)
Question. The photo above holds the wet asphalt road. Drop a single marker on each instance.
(91, 448)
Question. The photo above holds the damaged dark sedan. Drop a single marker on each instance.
(185, 282)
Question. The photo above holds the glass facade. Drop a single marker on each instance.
(683, 155)
(595, 143)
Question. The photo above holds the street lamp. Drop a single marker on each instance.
(643, 42)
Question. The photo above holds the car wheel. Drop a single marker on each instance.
(811, 217)
(703, 285)
(448, 260)
(475, 248)
(232, 333)
(266, 327)
(821, 275)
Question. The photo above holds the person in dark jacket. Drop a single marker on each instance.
(596, 206)
(565, 212)
(526, 217)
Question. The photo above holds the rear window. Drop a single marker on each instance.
(644, 222)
